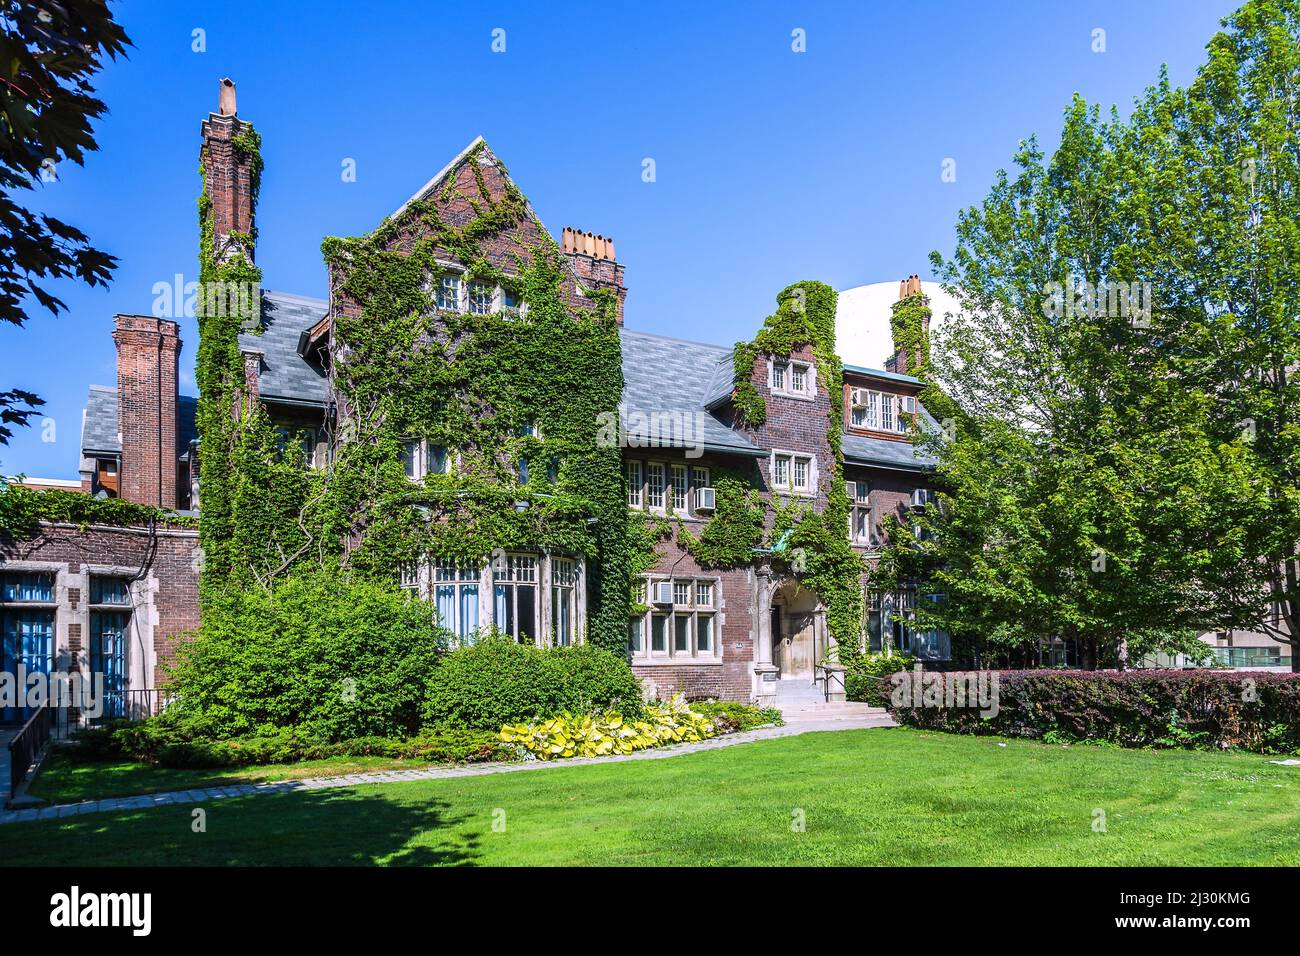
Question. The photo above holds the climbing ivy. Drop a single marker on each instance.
(645, 532)
(812, 545)
(909, 321)
(516, 399)
(23, 509)
(737, 526)
(235, 436)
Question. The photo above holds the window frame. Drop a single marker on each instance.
(481, 297)
(504, 575)
(682, 619)
(679, 481)
(635, 489)
(440, 287)
(781, 377)
(782, 459)
(661, 468)
(565, 589)
(862, 509)
(460, 577)
(422, 448)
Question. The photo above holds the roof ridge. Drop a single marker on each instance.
(293, 295)
(438, 177)
(671, 338)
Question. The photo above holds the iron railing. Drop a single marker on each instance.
(129, 705)
(830, 677)
(26, 746)
(50, 722)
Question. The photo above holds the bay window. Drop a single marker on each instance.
(455, 596)
(514, 597)
(564, 585)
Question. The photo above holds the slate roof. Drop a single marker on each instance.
(883, 453)
(286, 375)
(99, 421)
(99, 429)
(676, 380)
(673, 378)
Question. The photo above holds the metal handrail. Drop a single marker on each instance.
(27, 744)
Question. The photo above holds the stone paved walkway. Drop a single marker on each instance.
(176, 797)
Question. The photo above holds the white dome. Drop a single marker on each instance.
(862, 335)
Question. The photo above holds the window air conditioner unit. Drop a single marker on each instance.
(858, 396)
(705, 499)
(663, 592)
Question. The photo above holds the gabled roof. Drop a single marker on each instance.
(428, 188)
(286, 375)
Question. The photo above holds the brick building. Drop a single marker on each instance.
(746, 633)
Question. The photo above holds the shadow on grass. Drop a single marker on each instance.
(345, 827)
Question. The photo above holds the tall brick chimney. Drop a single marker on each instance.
(902, 363)
(228, 172)
(593, 257)
(148, 363)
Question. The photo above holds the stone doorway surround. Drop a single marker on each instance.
(786, 596)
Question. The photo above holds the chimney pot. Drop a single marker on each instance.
(226, 101)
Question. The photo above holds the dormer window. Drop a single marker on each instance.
(792, 379)
(864, 410)
(881, 411)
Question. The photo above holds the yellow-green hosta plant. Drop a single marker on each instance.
(600, 735)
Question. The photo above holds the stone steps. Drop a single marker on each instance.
(839, 710)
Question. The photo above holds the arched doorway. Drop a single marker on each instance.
(798, 631)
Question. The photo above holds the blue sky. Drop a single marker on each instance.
(771, 165)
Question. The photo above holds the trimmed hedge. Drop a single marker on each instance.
(1197, 709)
(866, 677)
(162, 744)
(497, 682)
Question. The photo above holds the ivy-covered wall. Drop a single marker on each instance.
(515, 396)
(805, 538)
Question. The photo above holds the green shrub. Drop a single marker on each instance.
(497, 681)
(609, 733)
(1193, 709)
(866, 678)
(165, 744)
(333, 657)
(731, 717)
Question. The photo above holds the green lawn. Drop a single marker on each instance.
(885, 797)
(67, 781)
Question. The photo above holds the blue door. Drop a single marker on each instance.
(29, 642)
(108, 633)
